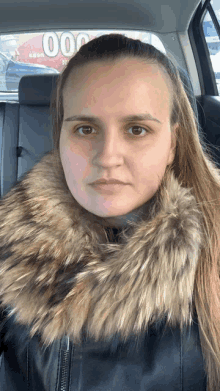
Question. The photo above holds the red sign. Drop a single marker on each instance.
(51, 49)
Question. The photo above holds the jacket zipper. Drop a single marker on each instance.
(64, 368)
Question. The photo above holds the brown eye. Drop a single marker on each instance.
(87, 131)
(137, 130)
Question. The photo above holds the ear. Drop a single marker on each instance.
(173, 144)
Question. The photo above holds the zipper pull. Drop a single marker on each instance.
(68, 344)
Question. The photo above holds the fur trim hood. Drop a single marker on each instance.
(60, 274)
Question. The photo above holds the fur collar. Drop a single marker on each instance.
(60, 275)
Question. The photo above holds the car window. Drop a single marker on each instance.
(48, 52)
(212, 39)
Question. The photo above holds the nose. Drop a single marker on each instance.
(109, 152)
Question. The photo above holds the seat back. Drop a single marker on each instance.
(27, 130)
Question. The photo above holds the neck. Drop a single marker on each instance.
(122, 220)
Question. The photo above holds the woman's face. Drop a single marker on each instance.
(135, 151)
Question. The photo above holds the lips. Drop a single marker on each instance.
(108, 182)
(108, 187)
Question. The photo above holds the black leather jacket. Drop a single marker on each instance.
(165, 360)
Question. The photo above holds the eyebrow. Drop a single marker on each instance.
(98, 121)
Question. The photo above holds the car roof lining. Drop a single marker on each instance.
(140, 15)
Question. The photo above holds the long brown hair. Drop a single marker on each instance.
(193, 166)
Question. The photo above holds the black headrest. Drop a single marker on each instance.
(36, 89)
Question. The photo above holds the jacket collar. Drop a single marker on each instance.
(60, 275)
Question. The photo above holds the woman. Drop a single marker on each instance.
(114, 286)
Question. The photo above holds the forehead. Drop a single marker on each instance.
(128, 80)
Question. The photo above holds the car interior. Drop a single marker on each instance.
(25, 120)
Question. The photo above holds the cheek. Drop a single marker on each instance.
(152, 164)
(150, 161)
(75, 163)
(78, 165)
(159, 152)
